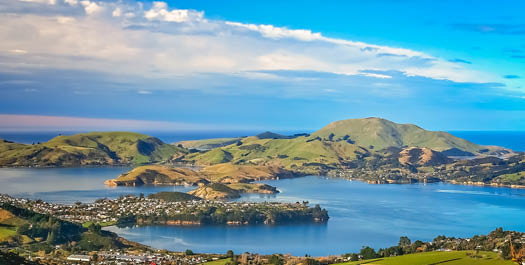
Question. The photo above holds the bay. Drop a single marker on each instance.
(69, 185)
(360, 214)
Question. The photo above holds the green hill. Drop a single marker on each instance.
(208, 144)
(96, 148)
(306, 154)
(45, 232)
(346, 143)
(377, 133)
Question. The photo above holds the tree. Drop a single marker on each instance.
(94, 228)
(310, 261)
(276, 260)
(404, 241)
(354, 257)
(229, 254)
(368, 253)
(189, 252)
(51, 237)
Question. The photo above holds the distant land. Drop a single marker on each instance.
(371, 149)
(96, 148)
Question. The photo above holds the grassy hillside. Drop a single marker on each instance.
(230, 173)
(306, 154)
(21, 226)
(439, 257)
(343, 144)
(208, 144)
(216, 191)
(223, 173)
(376, 133)
(97, 148)
(158, 175)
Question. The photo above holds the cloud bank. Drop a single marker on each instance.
(134, 60)
(158, 41)
(17, 122)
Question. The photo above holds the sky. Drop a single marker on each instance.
(260, 65)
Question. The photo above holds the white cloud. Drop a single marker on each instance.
(18, 51)
(144, 92)
(377, 75)
(278, 32)
(71, 2)
(13, 122)
(117, 12)
(49, 2)
(65, 20)
(159, 11)
(125, 39)
(91, 7)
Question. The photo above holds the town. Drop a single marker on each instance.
(130, 210)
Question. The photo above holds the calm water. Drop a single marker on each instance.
(69, 185)
(514, 140)
(361, 214)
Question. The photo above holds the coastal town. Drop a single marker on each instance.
(142, 210)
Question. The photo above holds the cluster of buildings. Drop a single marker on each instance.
(107, 211)
(387, 176)
(118, 257)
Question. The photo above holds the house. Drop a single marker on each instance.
(79, 258)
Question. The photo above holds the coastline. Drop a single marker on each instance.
(112, 182)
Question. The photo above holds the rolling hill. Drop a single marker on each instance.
(365, 143)
(377, 133)
(96, 148)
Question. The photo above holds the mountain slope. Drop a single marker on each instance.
(369, 142)
(97, 148)
(377, 133)
(304, 154)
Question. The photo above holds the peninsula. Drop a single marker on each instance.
(374, 150)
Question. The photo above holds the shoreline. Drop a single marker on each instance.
(109, 183)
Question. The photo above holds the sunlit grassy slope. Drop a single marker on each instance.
(207, 144)
(435, 258)
(381, 133)
(333, 145)
(218, 262)
(96, 148)
(225, 173)
(8, 225)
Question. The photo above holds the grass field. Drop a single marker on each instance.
(217, 262)
(441, 258)
(103, 224)
(6, 232)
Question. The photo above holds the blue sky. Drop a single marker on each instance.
(258, 65)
